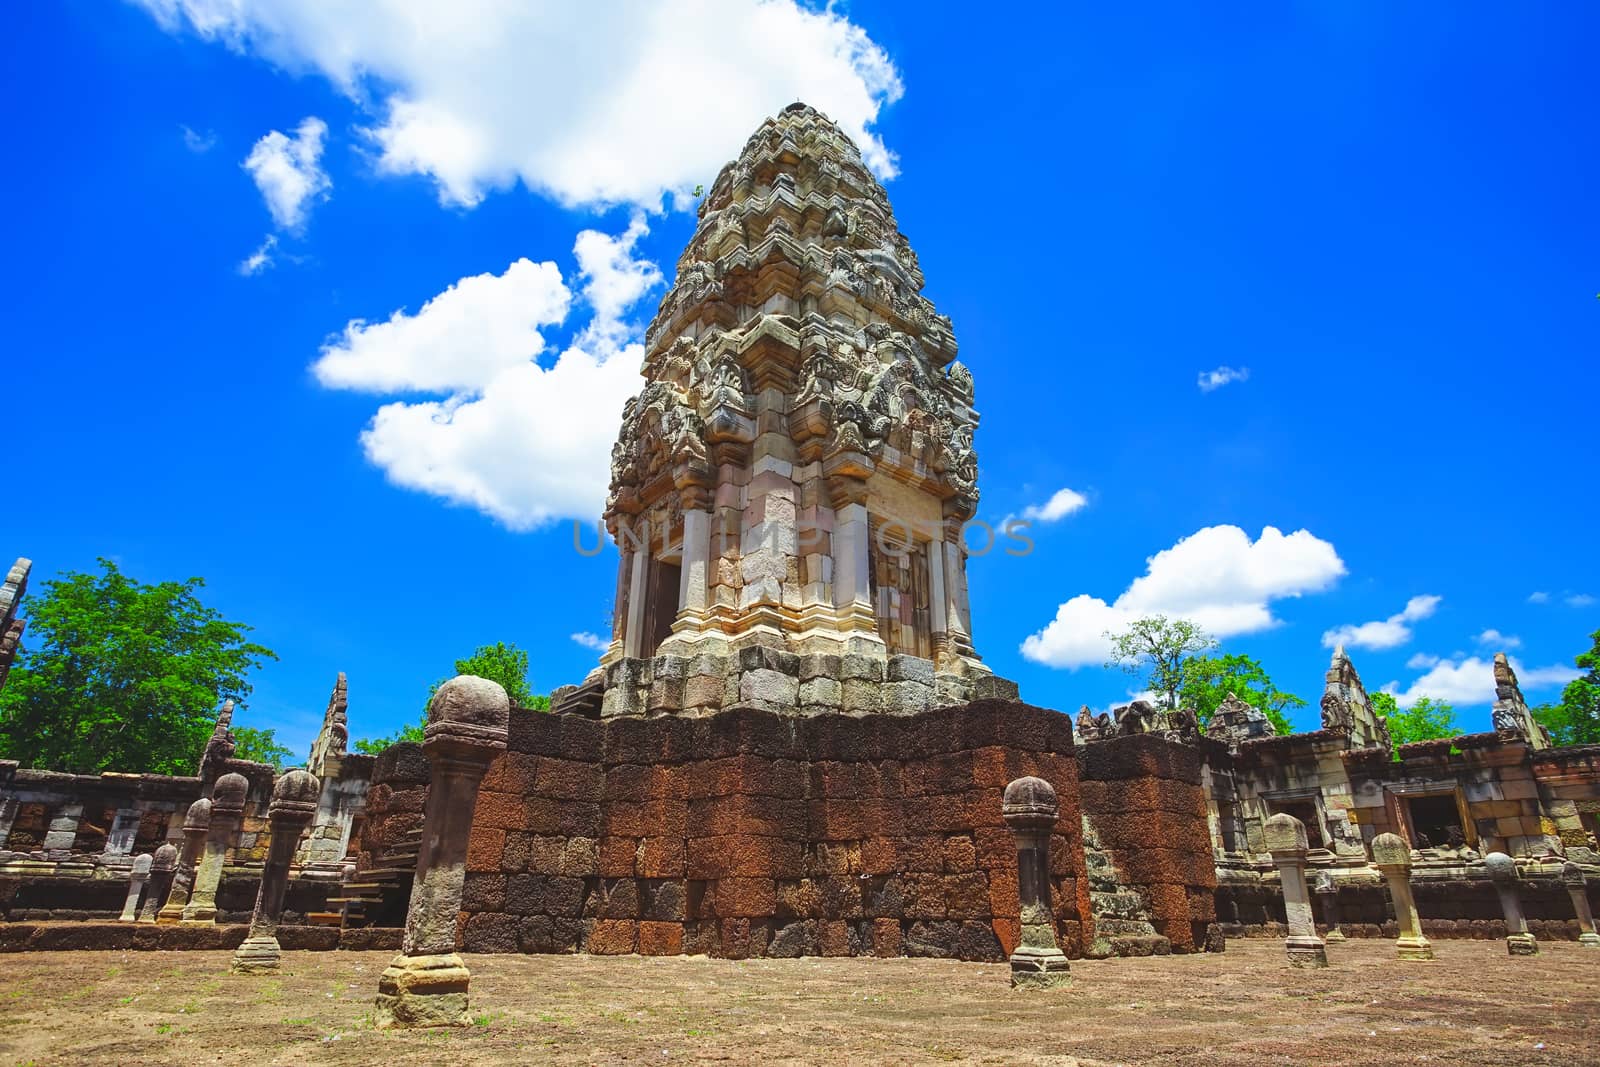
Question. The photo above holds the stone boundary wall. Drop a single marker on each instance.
(1450, 908)
(395, 800)
(148, 937)
(1142, 795)
(750, 833)
(55, 898)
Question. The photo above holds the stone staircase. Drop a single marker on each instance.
(378, 896)
(1121, 922)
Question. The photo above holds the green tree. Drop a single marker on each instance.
(499, 662)
(1207, 681)
(1163, 645)
(259, 746)
(119, 675)
(1426, 720)
(1576, 720)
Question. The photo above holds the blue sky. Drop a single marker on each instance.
(1385, 216)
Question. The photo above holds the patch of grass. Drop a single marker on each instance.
(487, 1018)
(555, 1017)
(165, 1028)
(299, 1022)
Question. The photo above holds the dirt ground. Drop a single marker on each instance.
(1473, 1005)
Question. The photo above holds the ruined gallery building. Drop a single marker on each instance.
(792, 745)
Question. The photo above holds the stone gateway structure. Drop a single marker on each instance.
(789, 488)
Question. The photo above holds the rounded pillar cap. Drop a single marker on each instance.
(1500, 866)
(199, 817)
(1030, 801)
(227, 796)
(295, 793)
(1391, 850)
(1285, 833)
(166, 857)
(470, 711)
(141, 864)
(1572, 875)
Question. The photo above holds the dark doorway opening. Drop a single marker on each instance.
(1306, 812)
(660, 604)
(1435, 821)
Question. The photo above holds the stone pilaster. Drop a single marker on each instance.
(1572, 878)
(1503, 873)
(162, 868)
(1392, 856)
(195, 827)
(227, 809)
(293, 806)
(1030, 808)
(137, 877)
(1286, 840)
(426, 985)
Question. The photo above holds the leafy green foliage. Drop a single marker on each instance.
(1207, 681)
(119, 675)
(499, 662)
(259, 746)
(1576, 720)
(1426, 720)
(1163, 644)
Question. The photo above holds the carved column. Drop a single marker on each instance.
(293, 806)
(1327, 891)
(136, 882)
(1286, 840)
(633, 635)
(227, 808)
(1503, 872)
(694, 582)
(426, 985)
(161, 872)
(1392, 856)
(1572, 878)
(195, 827)
(1030, 809)
(852, 588)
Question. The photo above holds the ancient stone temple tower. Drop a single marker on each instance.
(788, 490)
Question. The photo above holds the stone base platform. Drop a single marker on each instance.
(102, 936)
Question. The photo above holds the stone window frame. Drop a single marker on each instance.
(1300, 796)
(1396, 799)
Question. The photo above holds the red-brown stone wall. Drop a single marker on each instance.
(394, 802)
(1143, 797)
(748, 833)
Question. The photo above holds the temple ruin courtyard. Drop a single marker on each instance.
(1247, 1005)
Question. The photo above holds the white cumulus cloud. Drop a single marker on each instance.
(592, 640)
(1383, 633)
(288, 171)
(1492, 638)
(1061, 504)
(1470, 680)
(523, 442)
(261, 258)
(459, 340)
(603, 102)
(1579, 600)
(1539, 597)
(1217, 577)
(1215, 379)
(1421, 661)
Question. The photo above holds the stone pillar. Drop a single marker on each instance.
(1030, 809)
(136, 880)
(426, 985)
(161, 871)
(1286, 840)
(852, 589)
(1327, 891)
(1392, 856)
(227, 808)
(294, 805)
(195, 826)
(694, 581)
(633, 635)
(1572, 878)
(1503, 872)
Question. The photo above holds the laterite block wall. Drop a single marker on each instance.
(1143, 797)
(749, 833)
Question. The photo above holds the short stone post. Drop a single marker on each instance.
(136, 880)
(1029, 807)
(227, 808)
(1327, 890)
(1503, 872)
(293, 806)
(1286, 840)
(1572, 878)
(1392, 856)
(195, 827)
(426, 985)
(161, 871)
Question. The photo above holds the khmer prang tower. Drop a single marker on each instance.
(788, 490)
